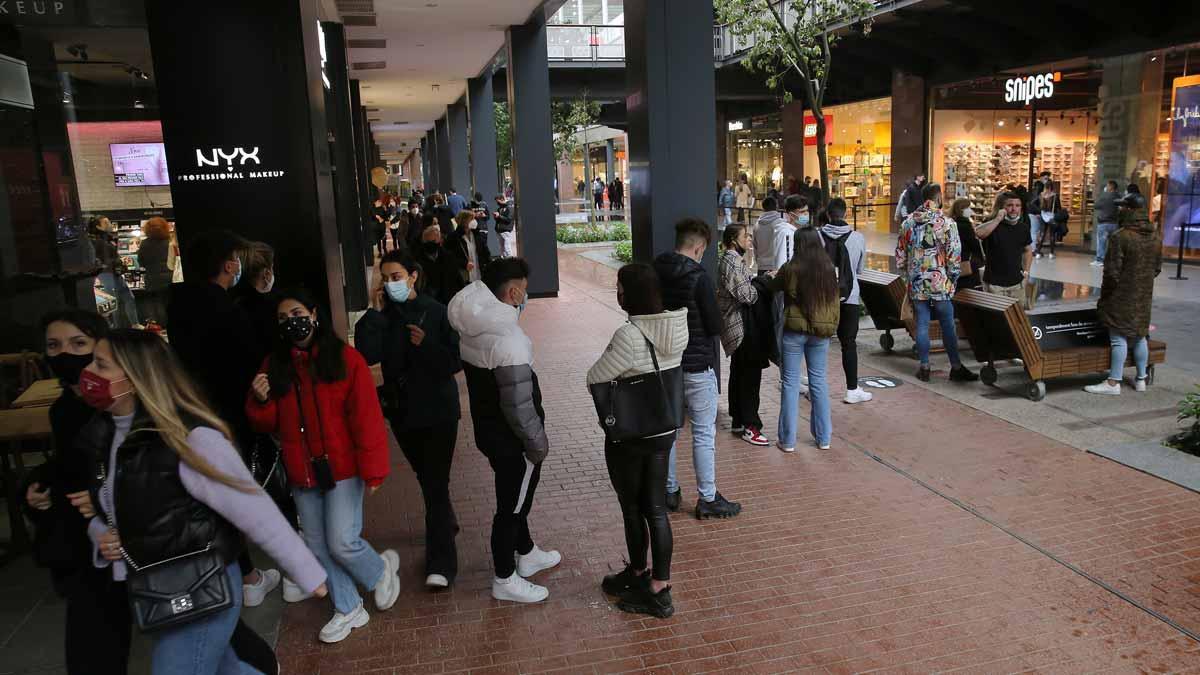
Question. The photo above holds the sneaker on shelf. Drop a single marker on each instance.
(1104, 388)
(923, 373)
(388, 588)
(644, 601)
(674, 499)
(437, 581)
(292, 591)
(754, 437)
(858, 396)
(254, 594)
(737, 429)
(785, 449)
(1139, 384)
(616, 584)
(537, 560)
(962, 374)
(517, 589)
(340, 625)
(717, 508)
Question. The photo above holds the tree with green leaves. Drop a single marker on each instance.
(569, 118)
(793, 41)
(503, 136)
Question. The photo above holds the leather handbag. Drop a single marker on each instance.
(266, 466)
(640, 406)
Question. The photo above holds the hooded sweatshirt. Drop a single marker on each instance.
(856, 247)
(506, 402)
(627, 354)
(773, 242)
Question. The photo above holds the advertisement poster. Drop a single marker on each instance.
(1182, 202)
(139, 164)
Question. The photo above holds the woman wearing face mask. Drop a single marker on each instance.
(972, 248)
(735, 293)
(469, 246)
(112, 269)
(317, 395)
(168, 483)
(254, 293)
(440, 268)
(409, 333)
(97, 618)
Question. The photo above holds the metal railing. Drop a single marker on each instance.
(729, 47)
(566, 42)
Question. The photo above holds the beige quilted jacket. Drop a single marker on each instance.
(627, 354)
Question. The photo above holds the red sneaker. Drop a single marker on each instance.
(754, 437)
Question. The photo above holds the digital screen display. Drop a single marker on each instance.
(139, 164)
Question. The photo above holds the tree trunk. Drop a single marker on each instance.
(822, 161)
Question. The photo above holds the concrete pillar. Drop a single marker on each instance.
(610, 151)
(445, 169)
(432, 178)
(485, 176)
(358, 117)
(424, 163)
(356, 245)
(910, 142)
(460, 159)
(793, 141)
(533, 153)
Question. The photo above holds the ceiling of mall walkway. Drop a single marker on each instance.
(413, 57)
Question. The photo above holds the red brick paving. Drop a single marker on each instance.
(837, 565)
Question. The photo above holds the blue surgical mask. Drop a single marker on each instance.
(802, 219)
(521, 307)
(398, 291)
(237, 276)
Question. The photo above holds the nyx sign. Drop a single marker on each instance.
(215, 157)
(216, 154)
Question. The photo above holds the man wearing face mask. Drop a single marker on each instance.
(440, 266)
(1008, 245)
(795, 216)
(506, 411)
(255, 293)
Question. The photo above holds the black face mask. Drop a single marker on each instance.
(67, 366)
(296, 328)
(431, 248)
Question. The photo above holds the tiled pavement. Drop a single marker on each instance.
(839, 563)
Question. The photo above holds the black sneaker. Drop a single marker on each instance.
(923, 373)
(616, 584)
(642, 601)
(717, 508)
(961, 374)
(674, 499)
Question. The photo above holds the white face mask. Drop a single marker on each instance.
(968, 213)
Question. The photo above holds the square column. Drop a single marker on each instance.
(485, 176)
(445, 170)
(424, 163)
(460, 169)
(431, 178)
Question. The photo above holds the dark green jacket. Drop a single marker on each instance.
(1133, 260)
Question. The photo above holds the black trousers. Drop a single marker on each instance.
(745, 380)
(99, 626)
(430, 452)
(599, 199)
(638, 470)
(516, 481)
(847, 332)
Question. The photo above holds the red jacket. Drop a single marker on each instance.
(348, 428)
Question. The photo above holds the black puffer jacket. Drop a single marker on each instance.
(684, 284)
(158, 517)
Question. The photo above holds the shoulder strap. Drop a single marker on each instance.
(654, 359)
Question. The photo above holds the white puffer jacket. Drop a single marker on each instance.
(627, 354)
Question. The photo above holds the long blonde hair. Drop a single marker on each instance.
(166, 392)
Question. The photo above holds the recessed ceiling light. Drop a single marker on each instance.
(431, 4)
(420, 44)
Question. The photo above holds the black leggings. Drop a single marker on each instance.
(745, 381)
(847, 333)
(638, 471)
(430, 451)
(99, 627)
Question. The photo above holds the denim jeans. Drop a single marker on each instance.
(1103, 232)
(728, 216)
(700, 399)
(1120, 350)
(795, 349)
(331, 523)
(1035, 229)
(202, 647)
(944, 310)
(126, 305)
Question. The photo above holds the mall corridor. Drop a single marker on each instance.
(932, 537)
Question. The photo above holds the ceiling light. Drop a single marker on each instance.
(137, 103)
(1000, 123)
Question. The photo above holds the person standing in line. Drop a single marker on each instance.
(507, 414)
(744, 198)
(726, 202)
(806, 310)
(505, 227)
(456, 202)
(445, 217)
(1132, 262)
(735, 293)
(482, 215)
(1009, 248)
(317, 395)
(685, 285)
(638, 469)
(112, 273)
(618, 193)
(381, 221)
(254, 294)
(469, 247)
(166, 482)
(216, 343)
(972, 248)
(441, 272)
(1106, 220)
(929, 255)
(152, 253)
(598, 192)
(853, 246)
(410, 334)
(910, 198)
(764, 237)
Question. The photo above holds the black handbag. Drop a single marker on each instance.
(266, 465)
(640, 406)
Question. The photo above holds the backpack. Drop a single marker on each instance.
(836, 248)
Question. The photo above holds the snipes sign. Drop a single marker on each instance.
(1030, 88)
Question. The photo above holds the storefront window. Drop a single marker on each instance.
(859, 138)
(754, 149)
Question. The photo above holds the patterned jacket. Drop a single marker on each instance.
(733, 290)
(1133, 260)
(929, 254)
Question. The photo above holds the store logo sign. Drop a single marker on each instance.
(238, 153)
(1185, 115)
(1031, 88)
(736, 126)
(218, 157)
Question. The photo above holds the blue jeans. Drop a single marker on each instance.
(126, 305)
(728, 215)
(1103, 232)
(700, 399)
(945, 316)
(331, 523)
(202, 647)
(796, 349)
(1120, 350)
(1035, 228)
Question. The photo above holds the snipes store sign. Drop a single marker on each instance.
(234, 164)
(1030, 88)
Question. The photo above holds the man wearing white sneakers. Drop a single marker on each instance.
(848, 249)
(506, 411)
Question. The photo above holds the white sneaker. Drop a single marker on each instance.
(1095, 263)
(858, 396)
(518, 589)
(254, 594)
(1052, 256)
(292, 591)
(341, 624)
(388, 588)
(437, 581)
(803, 385)
(783, 449)
(536, 560)
(1104, 388)
(1139, 384)
(824, 447)
(1037, 256)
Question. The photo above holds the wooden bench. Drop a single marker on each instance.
(884, 295)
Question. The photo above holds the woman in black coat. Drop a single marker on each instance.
(469, 246)
(440, 275)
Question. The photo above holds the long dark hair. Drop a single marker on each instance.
(809, 281)
(330, 362)
(641, 290)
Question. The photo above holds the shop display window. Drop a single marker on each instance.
(859, 137)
